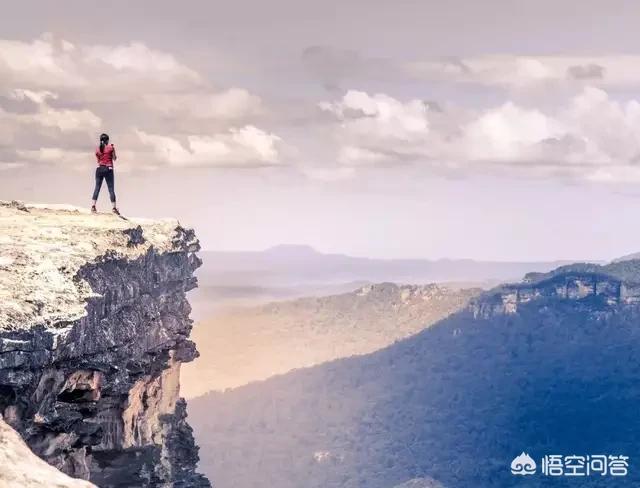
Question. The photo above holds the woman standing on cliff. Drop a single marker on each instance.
(105, 156)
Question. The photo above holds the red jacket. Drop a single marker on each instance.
(106, 157)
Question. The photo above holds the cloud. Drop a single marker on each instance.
(589, 71)
(508, 133)
(373, 125)
(56, 96)
(228, 105)
(502, 70)
(247, 146)
(516, 70)
(37, 97)
(9, 165)
(354, 156)
(53, 63)
(591, 137)
(334, 66)
(55, 156)
(506, 71)
(31, 120)
(131, 75)
(46, 116)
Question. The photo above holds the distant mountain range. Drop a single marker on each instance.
(285, 266)
(628, 257)
(286, 272)
(547, 366)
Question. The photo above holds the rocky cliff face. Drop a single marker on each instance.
(94, 325)
(614, 284)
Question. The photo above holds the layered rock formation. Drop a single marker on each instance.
(94, 326)
(617, 283)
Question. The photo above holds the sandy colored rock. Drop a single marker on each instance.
(21, 468)
(43, 247)
(94, 324)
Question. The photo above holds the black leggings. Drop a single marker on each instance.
(104, 172)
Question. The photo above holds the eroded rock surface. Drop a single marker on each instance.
(94, 325)
(617, 283)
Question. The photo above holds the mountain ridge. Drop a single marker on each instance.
(557, 374)
(283, 266)
(244, 344)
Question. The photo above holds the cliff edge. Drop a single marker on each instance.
(617, 283)
(94, 325)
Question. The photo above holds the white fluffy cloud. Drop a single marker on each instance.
(55, 156)
(592, 131)
(507, 133)
(46, 116)
(53, 63)
(378, 128)
(40, 123)
(380, 114)
(55, 94)
(247, 146)
(591, 137)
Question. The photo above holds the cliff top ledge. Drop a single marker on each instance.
(43, 248)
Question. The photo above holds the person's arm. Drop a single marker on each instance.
(115, 156)
(97, 156)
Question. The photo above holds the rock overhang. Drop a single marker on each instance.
(93, 314)
(43, 250)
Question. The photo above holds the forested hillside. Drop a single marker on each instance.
(551, 374)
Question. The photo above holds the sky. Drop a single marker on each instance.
(495, 130)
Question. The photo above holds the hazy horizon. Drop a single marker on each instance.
(382, 258)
